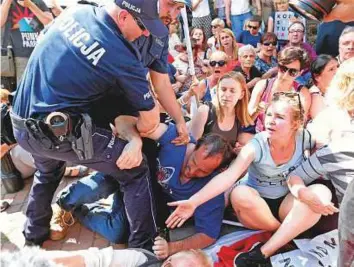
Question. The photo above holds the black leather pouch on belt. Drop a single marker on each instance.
(82, 143)
(40, 131)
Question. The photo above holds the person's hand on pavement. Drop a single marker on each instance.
(160, 248)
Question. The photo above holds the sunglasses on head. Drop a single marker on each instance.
(270, 43)
(139, 23)
(289, 95)
(292, 72)
(252, 27)
(220, 63)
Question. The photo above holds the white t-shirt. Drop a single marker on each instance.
(239, 7)
(172, 42)
(202, 10)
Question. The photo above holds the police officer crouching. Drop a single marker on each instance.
(78, 59)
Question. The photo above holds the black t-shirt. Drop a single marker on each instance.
(23, 28)
(254, 73)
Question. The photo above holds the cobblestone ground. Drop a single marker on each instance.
(12, 220)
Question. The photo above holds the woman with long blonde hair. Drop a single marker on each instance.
(226, 113)
(229, 45)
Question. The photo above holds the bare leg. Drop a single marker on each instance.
(297, 217)
(252, 210)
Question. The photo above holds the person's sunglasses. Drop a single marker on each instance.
(292, 72)
(270, 43)
(296, 31)
(139, 23)
(220, 63)
(215, 26)
(252, 27)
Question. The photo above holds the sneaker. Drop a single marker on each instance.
(252, 258)
(60, 223)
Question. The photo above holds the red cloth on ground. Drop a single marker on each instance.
(227, 253)
(170, 58)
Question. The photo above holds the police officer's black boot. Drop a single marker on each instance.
(10, 176)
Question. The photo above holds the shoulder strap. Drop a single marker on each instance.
(210, 119)
(265, 88)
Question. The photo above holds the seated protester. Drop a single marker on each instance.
(213, 42)
(251, 35)
(229, 45)
(247, 58)
(291, 61)
(282, 6)
(205, 89)
(262, 200)
(266, 62)
(335, 160)
(327, 38)
(323, 69)
(181, 63)
(346, 44)
(226, 113)
(296, 39)
(173, 40)
(180, 171)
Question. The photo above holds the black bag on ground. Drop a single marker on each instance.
(6, 134)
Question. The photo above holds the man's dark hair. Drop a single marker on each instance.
(215, 144)
(256, 19)
(318, 65)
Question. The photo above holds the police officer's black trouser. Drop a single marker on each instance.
(50, 163)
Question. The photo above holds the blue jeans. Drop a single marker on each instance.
(81, 198)
(237, 23)
(50, 163)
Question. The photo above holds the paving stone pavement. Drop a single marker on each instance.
(12, 220)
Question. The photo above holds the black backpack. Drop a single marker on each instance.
(7, 135)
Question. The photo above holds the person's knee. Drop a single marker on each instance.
(322, 192)
(242, 197)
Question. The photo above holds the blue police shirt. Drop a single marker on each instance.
(154, 52)
(81, 56)
(208, 216)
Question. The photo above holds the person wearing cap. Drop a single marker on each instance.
(86, 52)
(154, 52)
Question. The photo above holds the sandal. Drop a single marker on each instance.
(76, 171)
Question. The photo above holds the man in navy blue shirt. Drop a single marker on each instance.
(181, 172)
(84, 53)
(251, 35)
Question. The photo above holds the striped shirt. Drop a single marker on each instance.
(334, 161)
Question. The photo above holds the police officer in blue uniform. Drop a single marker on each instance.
(154, 51)
(85, 52)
